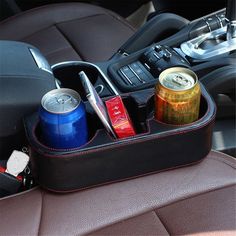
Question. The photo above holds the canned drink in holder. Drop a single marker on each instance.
(177, 96)
(63, 119)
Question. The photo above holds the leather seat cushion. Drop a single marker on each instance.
(210, 213)
(71, 31)
(194, 200)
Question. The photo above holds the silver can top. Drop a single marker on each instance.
(61, 101)
(178, 79)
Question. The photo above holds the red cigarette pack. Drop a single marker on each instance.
(119, 118)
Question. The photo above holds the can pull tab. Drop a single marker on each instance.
(17, 163)
(178, 79)
(64, 98)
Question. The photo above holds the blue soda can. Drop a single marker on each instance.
(63, 119)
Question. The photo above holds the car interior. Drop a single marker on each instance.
(165, 178)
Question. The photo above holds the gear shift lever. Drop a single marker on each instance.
(231, 17)
(221, 41)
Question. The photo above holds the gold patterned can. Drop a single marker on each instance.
(177, 96)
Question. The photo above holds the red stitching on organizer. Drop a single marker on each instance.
(123, 179)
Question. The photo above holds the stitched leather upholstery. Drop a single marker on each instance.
(198, 199)
(71, 31)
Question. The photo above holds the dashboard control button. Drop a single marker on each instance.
(167, 55)
(136, 74)
(158, 48)
(136, 67)
(145, 77)
(126, 70)
(152, 59)
(155, 55)
(126, 75)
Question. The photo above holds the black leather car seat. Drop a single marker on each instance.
(70, 31)
(194, 200)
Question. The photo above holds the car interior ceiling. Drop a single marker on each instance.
(161, 178)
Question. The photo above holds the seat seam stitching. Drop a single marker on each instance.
(119, 19)
(223, 160)
(25, 39)
(29, 12)
(60, 22)
(81, 18)
(71, 44)
(41, 213)
(161, 219)
(126, 219)
(36, 32)
(164, 225)
(193, 196)
(60, 50)
(110, 225)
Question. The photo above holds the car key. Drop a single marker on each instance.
(17, 163)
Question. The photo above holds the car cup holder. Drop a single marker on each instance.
(66, 74)
(156, 147)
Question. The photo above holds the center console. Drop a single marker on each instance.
(203, 45)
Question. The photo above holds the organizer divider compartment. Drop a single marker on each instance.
(157, 147)
(67, 76)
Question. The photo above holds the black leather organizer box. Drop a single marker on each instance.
(156, 147)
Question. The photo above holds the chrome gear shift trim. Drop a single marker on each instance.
(192, 48)
(231, 30)
(231, 19)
